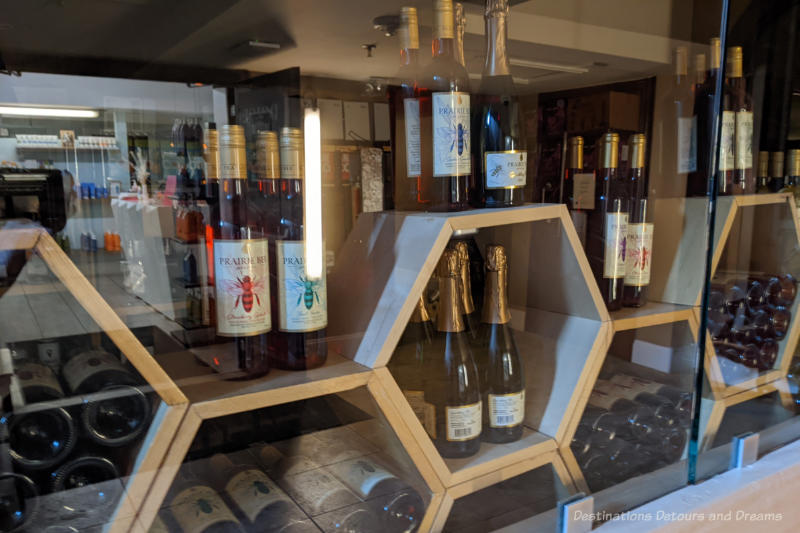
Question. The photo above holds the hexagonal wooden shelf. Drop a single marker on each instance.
(559, 321)
(173, 405)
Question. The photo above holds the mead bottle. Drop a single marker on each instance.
(639, 246)
(451, 377)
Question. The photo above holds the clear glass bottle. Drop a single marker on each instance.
(578, 188)
(639, 246)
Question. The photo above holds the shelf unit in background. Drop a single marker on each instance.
(173, 404)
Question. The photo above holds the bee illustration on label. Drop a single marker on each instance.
(497, 170)
(245, 289)
(203, 506)
(456, 135)
(308, 291)
(260, 487)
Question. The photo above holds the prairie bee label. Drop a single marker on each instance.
(241, 273)
(451, 141)
(303, 302)
(506, 170)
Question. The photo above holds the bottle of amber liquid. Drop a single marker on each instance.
(444, 103)
(501, 372)
(451, 381)
(409, 193)
(743, 179)
(301, 301)
(211, 156)
(265, 189)
(241, 263)
(578, 188)
(608, 225)
(639, 246)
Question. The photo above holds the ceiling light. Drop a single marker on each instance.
(558, 67)
(61, 112)
(515, 79)
(262, 44)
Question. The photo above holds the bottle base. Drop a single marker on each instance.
(461, 451)
(500, 436)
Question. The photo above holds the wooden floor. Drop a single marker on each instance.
(37, 306)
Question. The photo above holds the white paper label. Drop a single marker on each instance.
(241, 271)
(463, 422)
(638, 251)
(318, 492)
(303, 302)
(253, 491)
(82, 366)
(506, 410)
(198, 508)
(583, 191)
(413, 146)
(451, 141)
(744, 140)
(687, 144)
(292, 163)
(616, 240)
(362, 475)
(726, 140)
(506, 170)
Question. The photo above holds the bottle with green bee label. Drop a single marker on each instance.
(197, 507)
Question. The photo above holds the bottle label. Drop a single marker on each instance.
(687, 145)
(33, 375)
(463, 422)
(636, 383)
(87, 364)
(292, 164)
(583, 191)
(429, 421)
(413, 144)
(317, 492)
(198, 508)
(416, 399)
(362, 475)
(744, 140)
(616, 240)
(253, 492)
(506, 410)
(303, 302)
(638, 254)
(506, 170)
(726, 140)
(241, 271)
(451, 141)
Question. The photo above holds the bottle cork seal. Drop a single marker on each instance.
(449, 265)
(763, 164)
(496, 259)
(420, 313)
(496, 8)
(409, 28)
(638, 142)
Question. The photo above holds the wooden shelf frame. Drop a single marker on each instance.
(173, 405)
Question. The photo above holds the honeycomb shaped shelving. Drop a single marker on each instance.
(560, 325)
(62, 283)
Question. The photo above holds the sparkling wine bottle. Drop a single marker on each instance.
(444, 102)
(608, 225)
(578, 188)
(409, 192)
(241, 263)
(300, 301)
(451, 381)
(501, 373)
(465, 287)
(639, 246)
(500, 159)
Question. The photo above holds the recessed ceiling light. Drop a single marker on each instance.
(63, 112)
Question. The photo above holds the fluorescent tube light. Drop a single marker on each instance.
(558, 67)
(61, 112)
(312, 195)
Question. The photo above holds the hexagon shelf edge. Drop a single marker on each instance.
(167, 418)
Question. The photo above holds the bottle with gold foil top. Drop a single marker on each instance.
(265, 186)
(578, 188)
(211, 157)
(762, 174)
(407, 362)
(776, 176)
(444, 101)
(451, 377)
(301, 302)
(500, 157)
(697, 181)
(500, 367)
(409, 194)
(460, 22)
(241, 264)
(639, 246)
(608, 224)
(736, 137)
(465, 287)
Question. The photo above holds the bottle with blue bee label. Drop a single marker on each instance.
(444, 103)
(300, 302)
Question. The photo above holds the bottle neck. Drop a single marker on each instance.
(495, 302)
(409, 57)
(444, 47)
(496, 56)
(449, 317)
